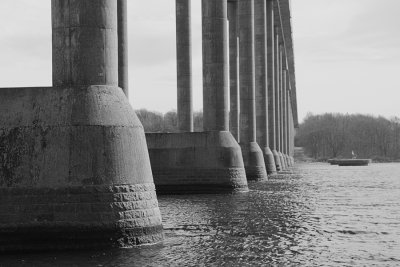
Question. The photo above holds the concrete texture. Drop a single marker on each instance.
(75, 171)
(234, 114)
(261, 84)
(277, 89)
(123, 76)
(282, 63)
(215, 65)
(271, 83)
(252, 153)
(85, 43)
(203, 162)
(184, 65)
(284, 114)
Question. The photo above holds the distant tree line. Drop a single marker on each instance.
(337, 135)
(156, 122)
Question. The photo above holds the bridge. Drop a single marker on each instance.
(77, 169)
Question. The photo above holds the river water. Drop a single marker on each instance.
(314, 215)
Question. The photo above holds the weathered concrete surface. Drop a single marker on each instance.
(184, 65)
(261, 85)
(202, 162)
(85, 43)
(75, 171)
(215, 65)
(234, 114)
(252, 153)
(123, 76)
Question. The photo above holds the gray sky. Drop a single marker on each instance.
(347, 53)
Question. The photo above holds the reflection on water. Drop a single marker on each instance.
(316, 215)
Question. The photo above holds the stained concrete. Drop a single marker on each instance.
(215, 65)
(202, 162)
(184, 65)
(76, 171)
(123, 79)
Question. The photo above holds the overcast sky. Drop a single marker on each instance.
(347, 53)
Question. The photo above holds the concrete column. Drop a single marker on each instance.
(285, 120)
(234, 69)
(92, 167)
(271, 65)
(123, 46)
(282, 66)
(85, 43)
(252, 153)
(184, 65)
(215, 65)
(261, 84)
(277, 87)
(291, 129)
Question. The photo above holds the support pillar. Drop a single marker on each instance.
(83, 178)
(285, 118)
(184, 65)
(122, 11)
(261, 85)
(272, 82)
(282, 67)
(215, 66)
(210, 161)
(252, 153)
(234, 114)
(277, 157)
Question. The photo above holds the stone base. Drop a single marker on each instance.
(269, 161)
(202, 162)
(74, 171)
(277, 159)
(254, 162)
(33, 219)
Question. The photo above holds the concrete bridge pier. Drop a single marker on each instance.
(234, 115)
(272, 82)
(184, 65)
(285, 120)
(261, 83)
(209, 161)
(280, 108)
(76, 171)
(277, 73)
(252, 153)
(122, 18)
